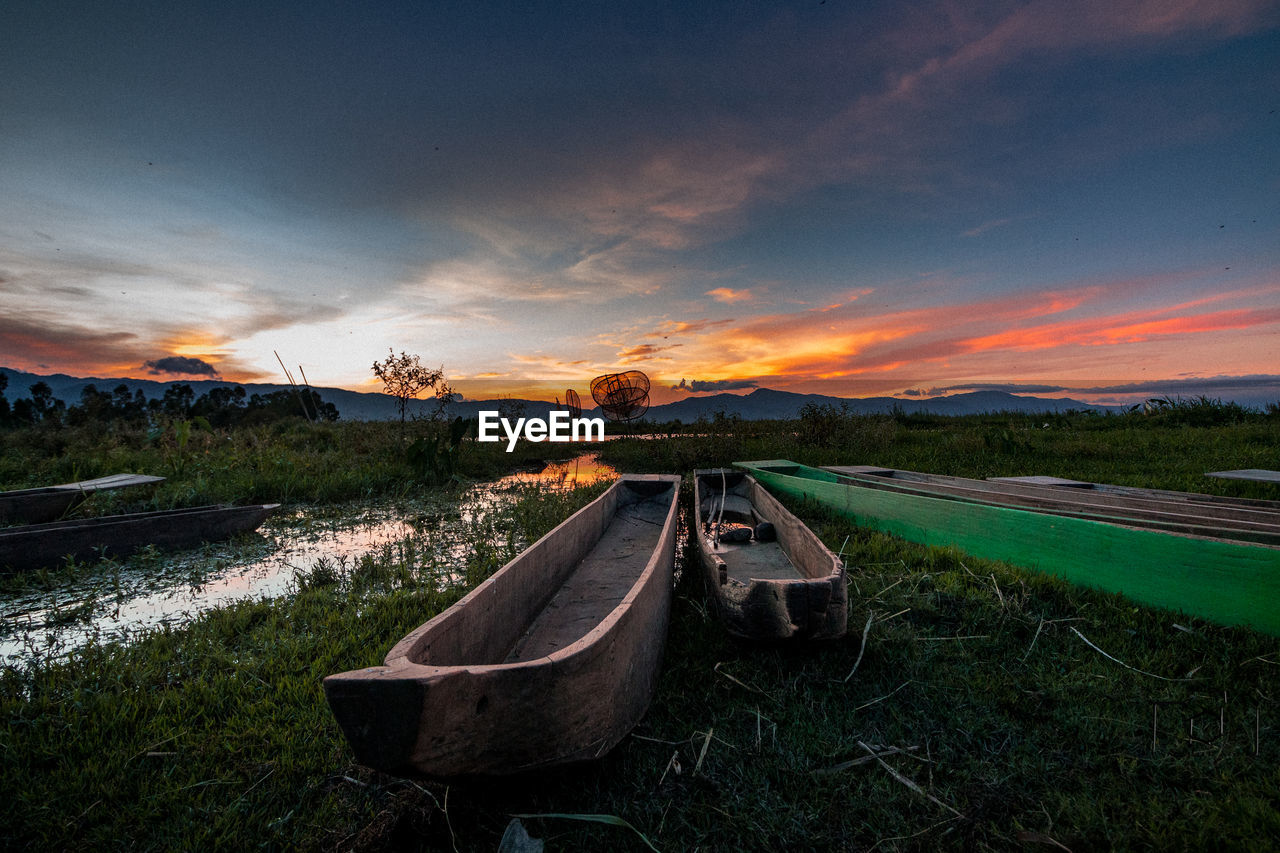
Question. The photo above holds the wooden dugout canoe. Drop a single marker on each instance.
(1231, 583)
(35, 545)
(47, 503)
(1227, 521)
(792, 587)
(553, 659)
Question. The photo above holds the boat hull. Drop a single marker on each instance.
(41, 545)
(483, 689)
(790, 589)
(1231, 583)
(48, 503)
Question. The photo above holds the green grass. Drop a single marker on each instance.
(977, 684)
(286, 462)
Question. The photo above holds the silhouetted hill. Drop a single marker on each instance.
(767, 403)
(762, 403)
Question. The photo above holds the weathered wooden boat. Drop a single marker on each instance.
(553, 659)
(1243, 523)
(1087, 487)
(48, 503)
(1229, 582)
(36, 545)
(778, 581)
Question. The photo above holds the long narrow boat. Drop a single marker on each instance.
(1246, 524)
(36, 545)
(778, 581)
(48, 503)
(553, 659)
(1232, 583)
(1194, 498)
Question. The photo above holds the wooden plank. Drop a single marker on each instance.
(1036, 480)
(111, 481)
(1161, 494)
(1256, 475)
(47, 503)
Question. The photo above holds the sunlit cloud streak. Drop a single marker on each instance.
(847, 342)
(729, 295)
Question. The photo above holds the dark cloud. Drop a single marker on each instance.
(699, 385)
(181, 364)
(1200, 385)
(1190, 386)
(1009, 387)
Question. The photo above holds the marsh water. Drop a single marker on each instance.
(151, 590)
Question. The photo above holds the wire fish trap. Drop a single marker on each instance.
(621, 396)
(573, 403)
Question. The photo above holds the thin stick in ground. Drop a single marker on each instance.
(905, 781)
(861, 648)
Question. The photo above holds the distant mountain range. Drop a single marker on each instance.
(767, 403)
(762, 403)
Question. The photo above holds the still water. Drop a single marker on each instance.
(152, 590)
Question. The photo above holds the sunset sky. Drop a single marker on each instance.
(845, 198)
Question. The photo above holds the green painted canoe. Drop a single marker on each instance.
(1231, 583)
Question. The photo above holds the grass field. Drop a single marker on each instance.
(973, 705)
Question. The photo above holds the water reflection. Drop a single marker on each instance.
(152, 590)
(582, 471)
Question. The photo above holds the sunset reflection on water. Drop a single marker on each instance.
(152, 591)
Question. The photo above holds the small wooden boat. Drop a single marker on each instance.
(35, 545)
(551, 660)
(1232, 583)
(777, 581)
(1229, 521)
(48, 503)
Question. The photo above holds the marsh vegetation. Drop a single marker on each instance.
(972, 705)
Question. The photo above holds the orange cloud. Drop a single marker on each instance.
(1119, 329)
(666, 330)
(839, 343)
(644, 352)
(730, 296)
